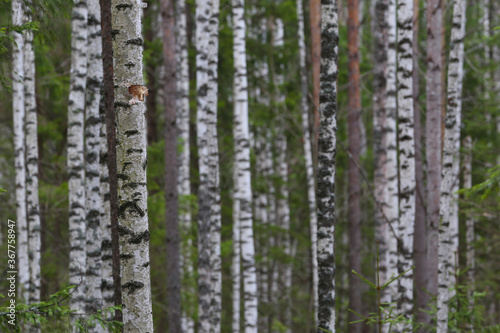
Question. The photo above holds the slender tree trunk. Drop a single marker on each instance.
(77, 230)
(419, 243)
(449, 171)
(392, 195)
(406, 142)
(470, 234)
(236, 264)
(434, 91)
(184, 183)
(243, 192)
(209, 274)
(131, 169)
(354, 181)
(382, 229)
(19, 149)
(171, 195)
(108, 96)
(315, 22)
(32, 200)
(311, 191)
(93, 202)
(326, 165)
(107, 287)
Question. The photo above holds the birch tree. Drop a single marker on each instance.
(171, 179)
(209, 274)
(470, 235)
(77, 230)
(93, 202)
(450, 157)
(406, 143)
(131, 168)
(183, 158)
(19, 149)
(311, 193)
(434, 93)
(32, 200)
(326, 165)
(243, 191)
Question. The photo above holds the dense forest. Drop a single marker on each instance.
(249, 166)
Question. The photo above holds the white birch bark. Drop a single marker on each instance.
(77, 255)
(406, 140)
(450, 157)
(236, 264)
(92, 169)
(19, 150)
(184, 183)
(32, 200)
(105, 222)
(131, 168)
(326, 165)
(311, 191)
(391, 201)
(214, 186)
(243, 191)
(209, 264)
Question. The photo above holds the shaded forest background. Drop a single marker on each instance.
(481, 106)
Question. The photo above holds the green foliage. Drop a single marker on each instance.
(384, 314)
(55, 313)
(486, 187)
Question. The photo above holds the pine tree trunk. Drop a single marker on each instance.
(470, 234)
(19, 149)
(131, 169)
(449, 171)
(311, 191)
(93, 202)
(354, 181)
(184, 183)
(77, 221)
(243, 192)
(434, 92)
(406, 142)
(171, 179)
(326, 165)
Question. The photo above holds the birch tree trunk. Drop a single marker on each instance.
(392, 195)
(450, 158)
(110, 160)
(326, 165)
(93, 202)
(32, 200)
(315, 22)
(236, 264)
(354, 181)
(107, 286)
(18, 107)
(183, 160)
(171, 178)
(131, 168)
(77, 230)
(434, 92)
(243, 191)
(209, 274)
(311, 191)
(380, 144)
(406, 142)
